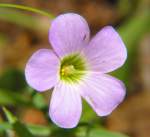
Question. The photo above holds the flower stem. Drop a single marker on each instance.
(44, 13)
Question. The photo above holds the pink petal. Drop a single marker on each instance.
(65, 106)
(41, 71)
(103, 92)
(68, 33)
(106, 51)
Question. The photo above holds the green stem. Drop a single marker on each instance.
(4, 5)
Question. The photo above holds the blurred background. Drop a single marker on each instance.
(24, 32)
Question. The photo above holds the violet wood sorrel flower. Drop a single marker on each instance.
(76, 68)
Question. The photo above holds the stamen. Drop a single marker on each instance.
(67, 70)
(72, 68)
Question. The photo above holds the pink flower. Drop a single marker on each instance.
(76, 68)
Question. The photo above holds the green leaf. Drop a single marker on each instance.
(37, 130)
(12, 98)
(60, 132)
(23, 20)
(18, 18)
(20, 129)
(5, 126)
(88, 113)
(39, 101)
(104, 133)
(82, 132)
(11, 118)
(12, 79)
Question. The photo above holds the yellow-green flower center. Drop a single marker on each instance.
(67, 70)
(72, 68)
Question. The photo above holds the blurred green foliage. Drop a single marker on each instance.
(12, 79)
(131, 32)
(18, 127)
(37, 130)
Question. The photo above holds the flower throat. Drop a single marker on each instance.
(72, 68)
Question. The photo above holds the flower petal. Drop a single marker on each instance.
(106, 51)
(103, 92)
(42, 70)
(68, 33)
(65, 106)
